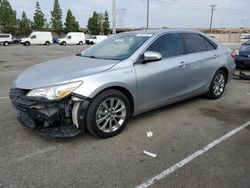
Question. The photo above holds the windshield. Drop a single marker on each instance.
(248, 42)
(117, 47)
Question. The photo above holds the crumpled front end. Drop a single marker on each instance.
(49, 118)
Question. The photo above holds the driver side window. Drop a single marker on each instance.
(168, 45)
(33, 36)
(69, 37)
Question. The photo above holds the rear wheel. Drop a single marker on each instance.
(80, 43)
(6, 43)
(108, 114)
(218, 85)
(63, 43)
(47, 43)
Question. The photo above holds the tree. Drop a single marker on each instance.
(56, 18)
(70, 22)
(93, 24)
(24, 25)
(8, 19)
(39, 20)
(106, 24)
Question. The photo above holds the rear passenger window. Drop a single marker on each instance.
(168, 45)
(194, 43)
(209, 45)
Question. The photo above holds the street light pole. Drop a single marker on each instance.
(114, 16)
(147, 14)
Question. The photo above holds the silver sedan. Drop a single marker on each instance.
(127, 74)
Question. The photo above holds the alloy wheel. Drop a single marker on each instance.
(110, 115)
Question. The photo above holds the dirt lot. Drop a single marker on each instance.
(29, 160)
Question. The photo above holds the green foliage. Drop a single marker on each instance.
(24, 25)
(7, 18)
(106, 24)
(71, 24)
(56, 18)
(39, 20)
(99, 23)
(93, 24)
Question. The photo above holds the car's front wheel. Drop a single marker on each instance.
(108, 114)
(217, 85)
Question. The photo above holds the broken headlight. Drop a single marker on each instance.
(55, 92)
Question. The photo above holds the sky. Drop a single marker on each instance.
(163, 13)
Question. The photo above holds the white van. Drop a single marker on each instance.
(96, 39)
(73, 38)
(38, 37)
(5, 39)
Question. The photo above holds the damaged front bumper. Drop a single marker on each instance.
(64, 118)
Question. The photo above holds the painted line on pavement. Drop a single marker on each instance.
(191, 157)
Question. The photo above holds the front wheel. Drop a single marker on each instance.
(47, 43)
(6, 43)
(108, 114)
(217, 85)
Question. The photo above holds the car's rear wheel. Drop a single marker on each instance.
(47, 43)
(217, 85)
(108, 114)
(80, 43)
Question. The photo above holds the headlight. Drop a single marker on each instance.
(55, 92)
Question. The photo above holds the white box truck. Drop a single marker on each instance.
(73, 38)
(5, 39)
(38, 37)
(96, 39)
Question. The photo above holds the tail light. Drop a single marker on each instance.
(234, 54)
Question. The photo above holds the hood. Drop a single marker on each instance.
(24, 39)
(61, 71)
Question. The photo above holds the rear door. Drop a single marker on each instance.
(160, 82)
(201, 59)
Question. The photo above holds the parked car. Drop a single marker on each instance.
(242, 56)
(38, 37)
(55, 40)
(96, 39)
(5, 39)
(123, 76)
(73, 38)
(16, 40)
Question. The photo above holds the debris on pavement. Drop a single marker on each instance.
(150, 134)
(149, 154)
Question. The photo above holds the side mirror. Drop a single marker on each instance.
(151, 56)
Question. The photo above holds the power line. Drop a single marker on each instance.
(212, 15)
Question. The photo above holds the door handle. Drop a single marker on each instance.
(183, 64)
(215, 56)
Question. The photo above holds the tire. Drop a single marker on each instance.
(6, 43)
(92, 43)
(27, 43)
(63, 43)
(103, 121)
(47, 43)
(217, 86)
(80, 43)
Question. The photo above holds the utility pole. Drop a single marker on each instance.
(114, 16)
(212, 15)
(147, 14)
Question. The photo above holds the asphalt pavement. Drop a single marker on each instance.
(179, 130)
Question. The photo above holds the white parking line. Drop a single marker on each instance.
(29, 155)
(191, 157)
(6, 97)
